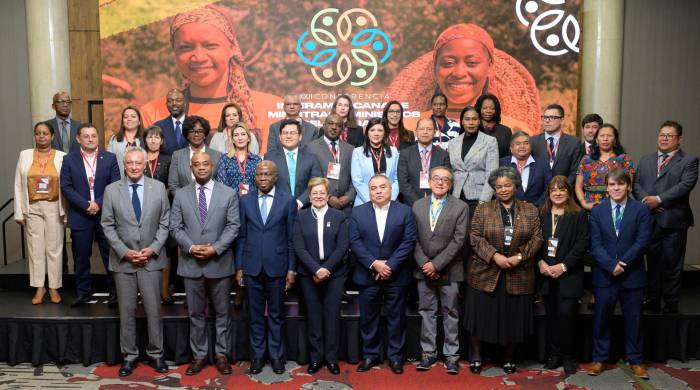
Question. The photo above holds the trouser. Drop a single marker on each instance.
(665, 259)
(219, 291)
(432, 300)
(561, 322)
(393, 300)
(44, 232)
(323, 301)
(631, 302)
(263, 290)
(128, 286)
(82, 251)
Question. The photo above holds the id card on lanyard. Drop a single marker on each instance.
(552, 152)
(91, 174)
(42, 185)
(508, 230)
(425, 171)
(243, 188)
(553, 242)
(333, 169)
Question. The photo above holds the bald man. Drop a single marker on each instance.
(65, 128)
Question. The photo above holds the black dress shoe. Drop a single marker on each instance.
(333, 368)
(277, 366)
(159, 365)
(366, 364)
(509, 368)
(196, 366)
(127, 368)
(396, 367)
(81, 300)
(256, 366)
(314, 367)
(113, 301)
(475, 366)
(552, 363)
(671, 308)
(570, 367)
(222, 365)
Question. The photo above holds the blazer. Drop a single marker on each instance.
(472, 173)
(673, 185)
(567, 158)
(267, 247)
(218, 143)
(307, 168)
(76, 190)
(356, 137)
(572, 233)
(487, 238)
(607, 248)
(396, 246)
(119, 150)
(409, 169)
(24, 163)
(170, 143)
(363, 169)
(442, 246)
(342, 186)
(219, 229)
(124, 232)
(335, 242)
(180, 172)
(162, 169)
(309, 132)
(539, 177)
(57, 142)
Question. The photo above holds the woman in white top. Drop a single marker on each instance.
(129, 134)
(222, 140)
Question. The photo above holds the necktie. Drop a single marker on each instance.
(202, 205)
(135, 202)
(65, 136)
(551, 147)
(292, 168)
(618, 219)
(263, 208)
(664, 157)
(335, 151)
(434, 208)
(178, 133)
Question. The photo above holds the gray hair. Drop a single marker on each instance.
(507, 172)
(134, 149)
(377, 175)
(443, 168)
(519, 134)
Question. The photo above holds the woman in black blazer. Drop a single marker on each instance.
(322, 273)
(565, 230)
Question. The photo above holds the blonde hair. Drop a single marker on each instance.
(319, 181)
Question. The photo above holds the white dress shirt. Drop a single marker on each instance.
(380, 215)
(90, 164)
(525, 175)
(319, 214)
(208, 190)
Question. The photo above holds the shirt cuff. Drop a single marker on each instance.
(658, 199)
(299, 204)
(563, 267)
(371, 266)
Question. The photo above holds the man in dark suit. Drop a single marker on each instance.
(382, 234)
(441, 222)
(562, 151)
(534, 174)
(204, 221)
(292, 111)
(173, 138)
(65, 128)
(135, 221)
(589, 127)
(266, 263)
(415, 163)
(85, 174)
(620, 233)
(334, 157)
(663, 182)
(295, 165)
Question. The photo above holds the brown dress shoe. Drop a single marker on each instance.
(195, 367)
(639, 371)
(595, 368)
(222, 365)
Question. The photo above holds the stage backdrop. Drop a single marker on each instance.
(252, 52)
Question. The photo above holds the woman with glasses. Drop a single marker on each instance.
(195, 129)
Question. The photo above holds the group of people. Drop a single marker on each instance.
(478, 216)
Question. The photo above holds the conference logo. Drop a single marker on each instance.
(553, 32)
(341, 48)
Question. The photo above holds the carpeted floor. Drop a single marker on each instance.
(673, 375)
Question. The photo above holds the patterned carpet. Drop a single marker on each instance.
(673, 375)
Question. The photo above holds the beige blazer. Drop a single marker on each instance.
(26, 158)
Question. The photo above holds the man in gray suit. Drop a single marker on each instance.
(204, 221)
(562, 151)
(65, 128)
(335, 157)
(441, 223)
(135, 213)
(292, 110)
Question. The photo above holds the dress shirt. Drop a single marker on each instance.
(614, 204)
(181, 119)
(422, 155)
(525, 175)
(380, 215)
(139, 189)
(271, 196)
(430, 206)
(330, 147)
(295, 153)
(319, 214)
(208, 190)
(90, 169)
(659, 160)
(588, 147)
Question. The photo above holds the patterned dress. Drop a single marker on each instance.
(595, 171)
(233, 174)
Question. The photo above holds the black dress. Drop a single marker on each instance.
(503, 134)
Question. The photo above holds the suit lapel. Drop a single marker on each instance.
(475, 148)
(126, 193)
(560, 148)
(444, 213)
(673, 161)
(195, 203)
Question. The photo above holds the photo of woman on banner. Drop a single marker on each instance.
(463, 65)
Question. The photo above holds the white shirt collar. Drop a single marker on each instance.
(321, 211)
(328, 141)
(270, 194)
(141, 181)
(203, 149)
(622, 205)
(556, 136)
(670, 154)
(529, 161)
(427, 149)
(208, 185)
(181, 118)
(377, 208)
(295, 151)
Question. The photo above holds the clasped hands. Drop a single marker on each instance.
(383, 270)
(430, 271)
(139, 258)
(202, 251)
(504, 262)
(321, 275)
(553, 271)
(619, 268)
(653, 203)
(93, 208)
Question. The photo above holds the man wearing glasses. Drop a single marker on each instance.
(562, 151)
(65, 128)
(663, 183)
(292, 111)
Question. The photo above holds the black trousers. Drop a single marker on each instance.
(665, 259)
(561, 322)
(323, 303)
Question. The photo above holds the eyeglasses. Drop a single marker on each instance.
(63, 102)
(393, 112)
(668, 136)
(440, 179)
(289, 133)
(196, 131)
(550, 117)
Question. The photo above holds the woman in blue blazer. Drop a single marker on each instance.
(375, 156)
(321, 243)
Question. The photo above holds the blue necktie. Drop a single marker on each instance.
(202, 205)
(263, 208)
(135, 202)
(618, 219)
(292, 168)
(178, 133)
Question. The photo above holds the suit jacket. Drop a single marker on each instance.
(471, 174)
(567, 158)
(487, 238)
(170, 143)
(24, 163)
(309, 132)
(409, 169)
(267, 247)
(539, 177)
(180, 171)
(342, 186)
(442, 246)
(363, 169)
(307, 168)
(673, 185)
(335, 242)
(57, 142)
(572, 233)
(356, 137)
(607, 248)
(162, 169)
(219, 229)
(76, 190)
(396, 246)
(124, 232)
(503, 134)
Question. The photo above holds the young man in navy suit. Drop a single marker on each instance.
(620, 234)
(173, 138)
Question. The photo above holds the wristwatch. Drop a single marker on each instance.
(520, 257)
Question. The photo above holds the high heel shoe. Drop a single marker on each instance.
(54, 297)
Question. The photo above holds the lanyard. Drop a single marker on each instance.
(425, 162)
(44, 163)
(241, 167)
(394, 140)
(336, 156)
(153, 166)
(378, 158)
(93, 166)
(555, 221)
(664, 163)
(549, 149)
(434, 214)
(510, 217)
(520, 168)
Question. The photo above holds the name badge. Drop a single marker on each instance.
(243, 188)
(424, 180)
(333, 171)
(42, 185)
(552, 245)
(508, 232)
